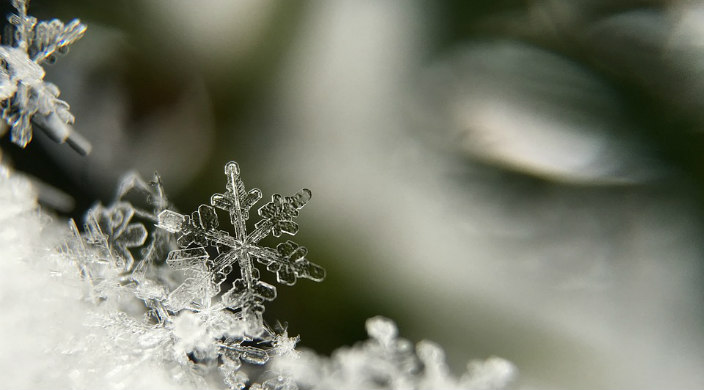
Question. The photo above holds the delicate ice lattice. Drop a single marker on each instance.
(115, 228)
(123, 222)
(117, 250)
(206, 273)
(25, 96)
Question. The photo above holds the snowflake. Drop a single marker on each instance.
(120, 245)
(119, 229)
(25, 96)
(199, 232)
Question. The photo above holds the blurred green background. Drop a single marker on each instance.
(512, 178)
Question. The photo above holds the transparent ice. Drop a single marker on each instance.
(120, 245)
(25, 97)
(199, 231)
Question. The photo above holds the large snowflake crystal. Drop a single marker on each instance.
(207, 270)
(24, 95)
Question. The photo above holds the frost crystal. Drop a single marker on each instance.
(199, 232)
(386, 361)
(25, 96)
(120, 244)
(119, 228)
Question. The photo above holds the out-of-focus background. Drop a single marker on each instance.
(513, 178)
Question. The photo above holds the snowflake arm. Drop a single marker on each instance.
(52, 37)
(289, 263)
(236, 201)
(278, 215)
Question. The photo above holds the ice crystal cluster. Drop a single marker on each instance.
(159, 276)
(175, 296)
(26, 97)
(136, 249)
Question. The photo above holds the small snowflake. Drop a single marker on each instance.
(24, 95)
(119, 228)
(206, 273)
(120, 245)
(120, 233)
